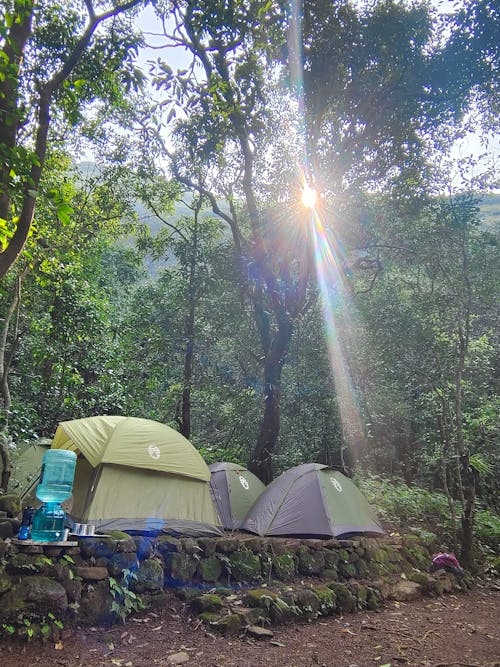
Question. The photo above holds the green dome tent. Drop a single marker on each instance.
(311, 500)
(27, 468)
(234, 490)
(137, 474)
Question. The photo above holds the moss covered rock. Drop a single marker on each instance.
(327, 599)
(97, 547)
(284, 567)
(253, 597)
(149, 576)
(209, 569)
(244, 565)
(34, 595)
(311, 562)
(167, 545)
(11, 503)
(345, 600)
(5, 582)
(122, 561)
(180, 567)
(207, 602)
(229, 625)
(95, 605)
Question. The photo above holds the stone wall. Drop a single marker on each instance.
(102, 579)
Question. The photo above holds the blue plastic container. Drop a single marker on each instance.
(48, 523)
(56, 485)
(58, 473)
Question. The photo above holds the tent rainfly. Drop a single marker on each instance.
(27, 470)
(311, 500)
(137, 475)
(234, 490)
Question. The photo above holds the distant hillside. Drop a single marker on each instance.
(490, 210)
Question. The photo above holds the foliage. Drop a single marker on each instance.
(125, 601)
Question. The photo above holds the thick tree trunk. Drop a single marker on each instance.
(261, 459)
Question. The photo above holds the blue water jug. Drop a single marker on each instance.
(58, 472)
(56, 485)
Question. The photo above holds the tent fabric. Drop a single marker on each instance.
(311, 500)
(160, 483)
(234, 490)
(27, 470)
(131, 441)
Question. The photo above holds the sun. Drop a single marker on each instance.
(308, 196)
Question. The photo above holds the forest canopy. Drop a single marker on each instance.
(157, 259)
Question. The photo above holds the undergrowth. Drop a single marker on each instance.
(412, 508)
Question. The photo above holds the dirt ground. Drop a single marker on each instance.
(451, 630)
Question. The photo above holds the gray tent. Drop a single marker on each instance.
(311, 500)
(234, 490)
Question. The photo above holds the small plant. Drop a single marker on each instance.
(125, 601)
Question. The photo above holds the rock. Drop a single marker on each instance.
(327, 599)
(5, 582)
(311, 562)
(244, 565)
(180, 567)
(178, 658)
(207, 545)
(307, 600)
(150, 577)
(95, 604)
(248, 615)
(6, 529)
(124, 542)
(190, 546)
(97, 547)
(284, 567)
(209, 569)
(259, 633)
(252, 597)
(404, 591)
(229, 625)
(345, 600)
(91, 573)
(167, 545)
(38, 595)
(207, 602)
(227, 546)
(122, 561)
(4, 547)
(143, 547)
(11, 503)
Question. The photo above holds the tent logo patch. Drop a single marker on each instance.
(244, 482)
(336, 484)
(154, 452)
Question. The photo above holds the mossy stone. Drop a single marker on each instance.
(308, 602)
(348, 570)
(373, 598)
(186, 594)
(344, 555)
(180, 567)
(207, 545)
(227, 545)
(311, 562)
(284, 567)
(253, 597)
(122, 561)
(149, 576)
(143, 547)
(426, 580)
(12, 504)
(35, 595)
(209, 569)
(124, 542)
(245, 566)
(362, 569)
(95, 604)
(345, 600)
(22, 564)
(229, 625)
(330, 573)
(331, 558)
(361, 594)
(327, 598)
(97, 547)
(208, 617)
(5, 582)
(167, 545)
(207, 602)
(190, 546)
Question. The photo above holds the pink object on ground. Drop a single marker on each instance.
(445, 560)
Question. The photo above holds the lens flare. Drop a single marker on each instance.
(308, 197)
